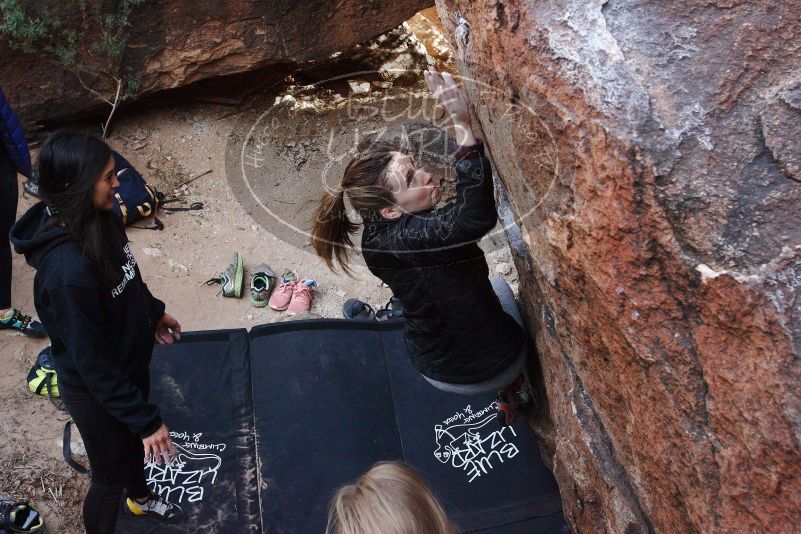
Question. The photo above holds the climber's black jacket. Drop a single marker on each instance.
(456, 330)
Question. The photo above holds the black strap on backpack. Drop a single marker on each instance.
(45, 384)
(160, 205)
(192, 207)
(67, 450)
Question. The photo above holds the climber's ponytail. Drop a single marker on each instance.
(365, 183)
(332, 231)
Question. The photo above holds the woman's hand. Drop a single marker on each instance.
(168, 330)
(158, 446)
(448, 95)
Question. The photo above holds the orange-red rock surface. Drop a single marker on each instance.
(650, 151)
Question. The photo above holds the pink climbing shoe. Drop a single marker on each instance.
(301, 297)
(282, 295)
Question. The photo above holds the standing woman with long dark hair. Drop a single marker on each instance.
(102, 322)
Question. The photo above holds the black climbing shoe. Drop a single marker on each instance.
(392, 310)
(359, 310)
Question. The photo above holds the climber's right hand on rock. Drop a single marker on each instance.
(450, 97)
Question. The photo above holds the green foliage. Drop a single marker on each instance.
(114, 30)
(132, 87)
(24, 30)
(95, 46)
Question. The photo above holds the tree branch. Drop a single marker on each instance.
(113, 107)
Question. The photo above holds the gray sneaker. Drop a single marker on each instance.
(262, 283)
(231, 279)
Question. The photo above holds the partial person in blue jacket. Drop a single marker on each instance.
(14, 158)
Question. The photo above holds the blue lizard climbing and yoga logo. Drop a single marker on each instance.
(472, 441)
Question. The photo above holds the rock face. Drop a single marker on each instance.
(650, 152)
(174, 43)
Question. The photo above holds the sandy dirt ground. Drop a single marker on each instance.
(170, 145)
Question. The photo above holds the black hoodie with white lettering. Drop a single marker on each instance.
(102, 337)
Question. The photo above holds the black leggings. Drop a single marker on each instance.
(8, 213)
(116, 457)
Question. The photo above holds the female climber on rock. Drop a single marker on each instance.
(456, 332)
(102, 322)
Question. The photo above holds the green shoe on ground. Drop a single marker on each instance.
(232, 278)
(289, 276)
(262, 283)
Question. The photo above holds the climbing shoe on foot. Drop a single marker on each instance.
(18, 516)
(512, 401)
(157, 507)
(16, 320)
(231, 279)
(262, 283)
(358, 310)
(301, 297)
